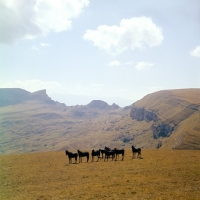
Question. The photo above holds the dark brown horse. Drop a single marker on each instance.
(109, 153)
(71, 155)
(118, 152)
(96, 153)
(102, 151)
(82, 154)
(134, 151)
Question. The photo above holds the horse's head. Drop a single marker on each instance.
(66, 151)
(107, 148)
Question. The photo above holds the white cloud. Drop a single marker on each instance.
(130, 63)
(137, 32)
(196, 52)
(34, 85)
(143, 65)
(114, 63)
(35, 48)
(44, 45)
(22, 19)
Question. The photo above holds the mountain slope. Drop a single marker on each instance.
(33, 122)
(175, 116)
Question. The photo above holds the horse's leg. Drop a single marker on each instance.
(140, 154)
(134, 155)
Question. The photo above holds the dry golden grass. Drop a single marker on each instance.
(161, 174)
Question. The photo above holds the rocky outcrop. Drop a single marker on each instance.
(114, 106)
(98, 104)
(102, 105)
(141, 114)
(41, 95)
(162, 130)
(12, 96)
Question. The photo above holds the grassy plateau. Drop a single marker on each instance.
(160, 174)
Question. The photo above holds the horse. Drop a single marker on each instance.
(134, 151)
(82, 154)
(108, 148)
(108, 153)
(95, 153)
(71, 155)
(102, 151)
(118, 152)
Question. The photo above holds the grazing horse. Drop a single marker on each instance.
(102, 151)
(118, 152)
(71, 155)
(95, 153)
(82, 154)
(134, 151)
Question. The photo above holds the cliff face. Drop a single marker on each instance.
(166, 110)
(141, 114)
(41, 95)
(162, 130)
(158, 129)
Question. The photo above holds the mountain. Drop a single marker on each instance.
(34, 122)
(13, 96)
(175, 117)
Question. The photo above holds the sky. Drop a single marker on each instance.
(117, 51)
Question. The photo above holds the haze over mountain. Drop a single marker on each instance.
(34, 122)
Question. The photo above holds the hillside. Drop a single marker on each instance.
(34, 122)
(175, 116)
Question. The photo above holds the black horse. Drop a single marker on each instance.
(108, 148)
(102, 151)
(118, 152)
(109, 153)
(82, 154)
(71, 155)
(134, 151)
(95, 153)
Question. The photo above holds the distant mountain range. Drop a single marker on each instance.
(32, 122)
